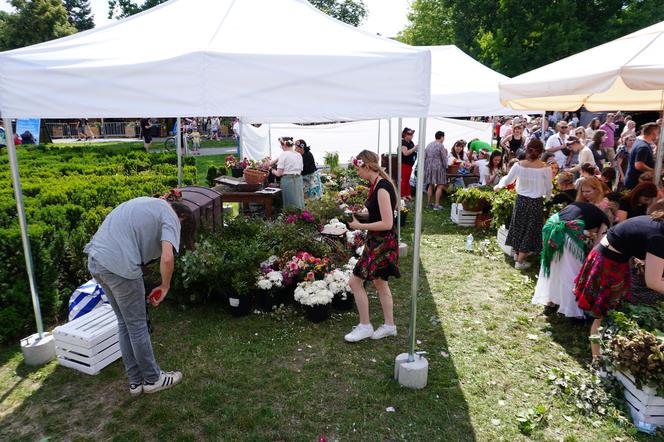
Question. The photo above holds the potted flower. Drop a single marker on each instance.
(236, 167)
(270, 283)
(256, 172)
(404, 215)
(474, 199)
(316, 298)
(337, 283)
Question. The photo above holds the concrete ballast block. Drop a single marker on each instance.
(38, 351)
(414, 374)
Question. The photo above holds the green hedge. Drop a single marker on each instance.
(67, 193)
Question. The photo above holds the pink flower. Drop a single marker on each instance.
(291, 219)
(310, 276)
(292, 266)
(305, 255)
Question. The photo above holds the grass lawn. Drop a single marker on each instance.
(278, 377)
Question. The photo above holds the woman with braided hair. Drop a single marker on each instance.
(380, 258)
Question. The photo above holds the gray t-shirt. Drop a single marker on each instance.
(131, 235)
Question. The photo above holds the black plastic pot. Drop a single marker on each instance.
(317, 313)
(237, 172)
(343, 304)
(239, 305)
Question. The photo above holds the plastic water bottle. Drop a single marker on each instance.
(469, 242)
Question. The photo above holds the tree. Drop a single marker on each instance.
(515, 36)
(80, 14)
(348, 11)
(34, 21)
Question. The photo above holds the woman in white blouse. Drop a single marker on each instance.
(533, 182)
(289, 168)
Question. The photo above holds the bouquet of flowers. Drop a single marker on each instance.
(312, 293)
(230, 161)
(355, 239)
(268, 281)
(352, 198)
(263, 165)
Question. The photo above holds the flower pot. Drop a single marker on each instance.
(269, 300)
(317, 313)
(237, 172)
(403, 219)
(343, 304)
(483, 220)
(453, 168)
(239, 305)
(477, 206)
(253, 176)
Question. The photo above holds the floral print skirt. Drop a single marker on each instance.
(602, 283)
(313, 187)
(380, 258)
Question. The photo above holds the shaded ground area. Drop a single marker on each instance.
(279, 377)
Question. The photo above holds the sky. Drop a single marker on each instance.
(386, 17)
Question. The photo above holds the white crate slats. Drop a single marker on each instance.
(501, 237)
(463, 217)
(644, 404)
(88, 343)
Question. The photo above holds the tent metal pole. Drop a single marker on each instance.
(178, 143)
(415, 283)
(389, 148)
(269, 137)
(25, 239)
(400, 128)
(240, 150)
(660, 157)
(378, 145)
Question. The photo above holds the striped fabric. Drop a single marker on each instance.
(85, 299)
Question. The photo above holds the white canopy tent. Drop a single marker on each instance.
(626, 74)
(347, 139)
(463, 87)
(277, 60)
(269, 61)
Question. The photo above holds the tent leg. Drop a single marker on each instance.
(660, 157)
(400, 128)
(240, 150)
(389, 148)
(269, 137)
(378, 145)
(178, 141)
(18, 194)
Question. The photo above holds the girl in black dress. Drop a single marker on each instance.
(380, 258)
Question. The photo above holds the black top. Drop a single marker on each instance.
(308, 162)
(592, 216)
(408, 159)
(564, 197)
(372, 202)
(636, 236)
(641, 151)
(639, 210)
(516, 144)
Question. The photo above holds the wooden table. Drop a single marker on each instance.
(266, 199)
(465, 176)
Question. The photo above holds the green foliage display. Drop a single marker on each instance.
(67, 193)
(474, 198)
(502, 207)
(513, 37)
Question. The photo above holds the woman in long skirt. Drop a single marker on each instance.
(289, 168)
(565, 243)
(313, 187)
(435, 169)
(533, 183)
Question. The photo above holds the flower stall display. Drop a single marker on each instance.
(257, 172)
(316, 297)
(270, 283)
(353, 198)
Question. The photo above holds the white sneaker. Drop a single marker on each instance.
(135, 389)
(522, 265)
(167, 379)
(359, 333)
(384, 330)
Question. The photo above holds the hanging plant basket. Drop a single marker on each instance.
(253, 176)
(317, 313)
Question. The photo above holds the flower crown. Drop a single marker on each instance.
(357, 162)
(173, 195)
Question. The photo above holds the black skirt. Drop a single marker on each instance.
(525, 232)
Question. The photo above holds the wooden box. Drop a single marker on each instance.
(88, 343)
(644, 404)
(463, 217)
(501, 237)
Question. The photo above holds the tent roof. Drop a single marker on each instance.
(627, 74)
(463, 87)
(277, 60)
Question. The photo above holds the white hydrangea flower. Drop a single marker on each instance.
(359, 250)
(264, 284)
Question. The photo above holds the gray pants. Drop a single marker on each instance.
(127, 297)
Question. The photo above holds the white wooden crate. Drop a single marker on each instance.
(501, 237)
(463, 217)
(88, 343)
(644, 404)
